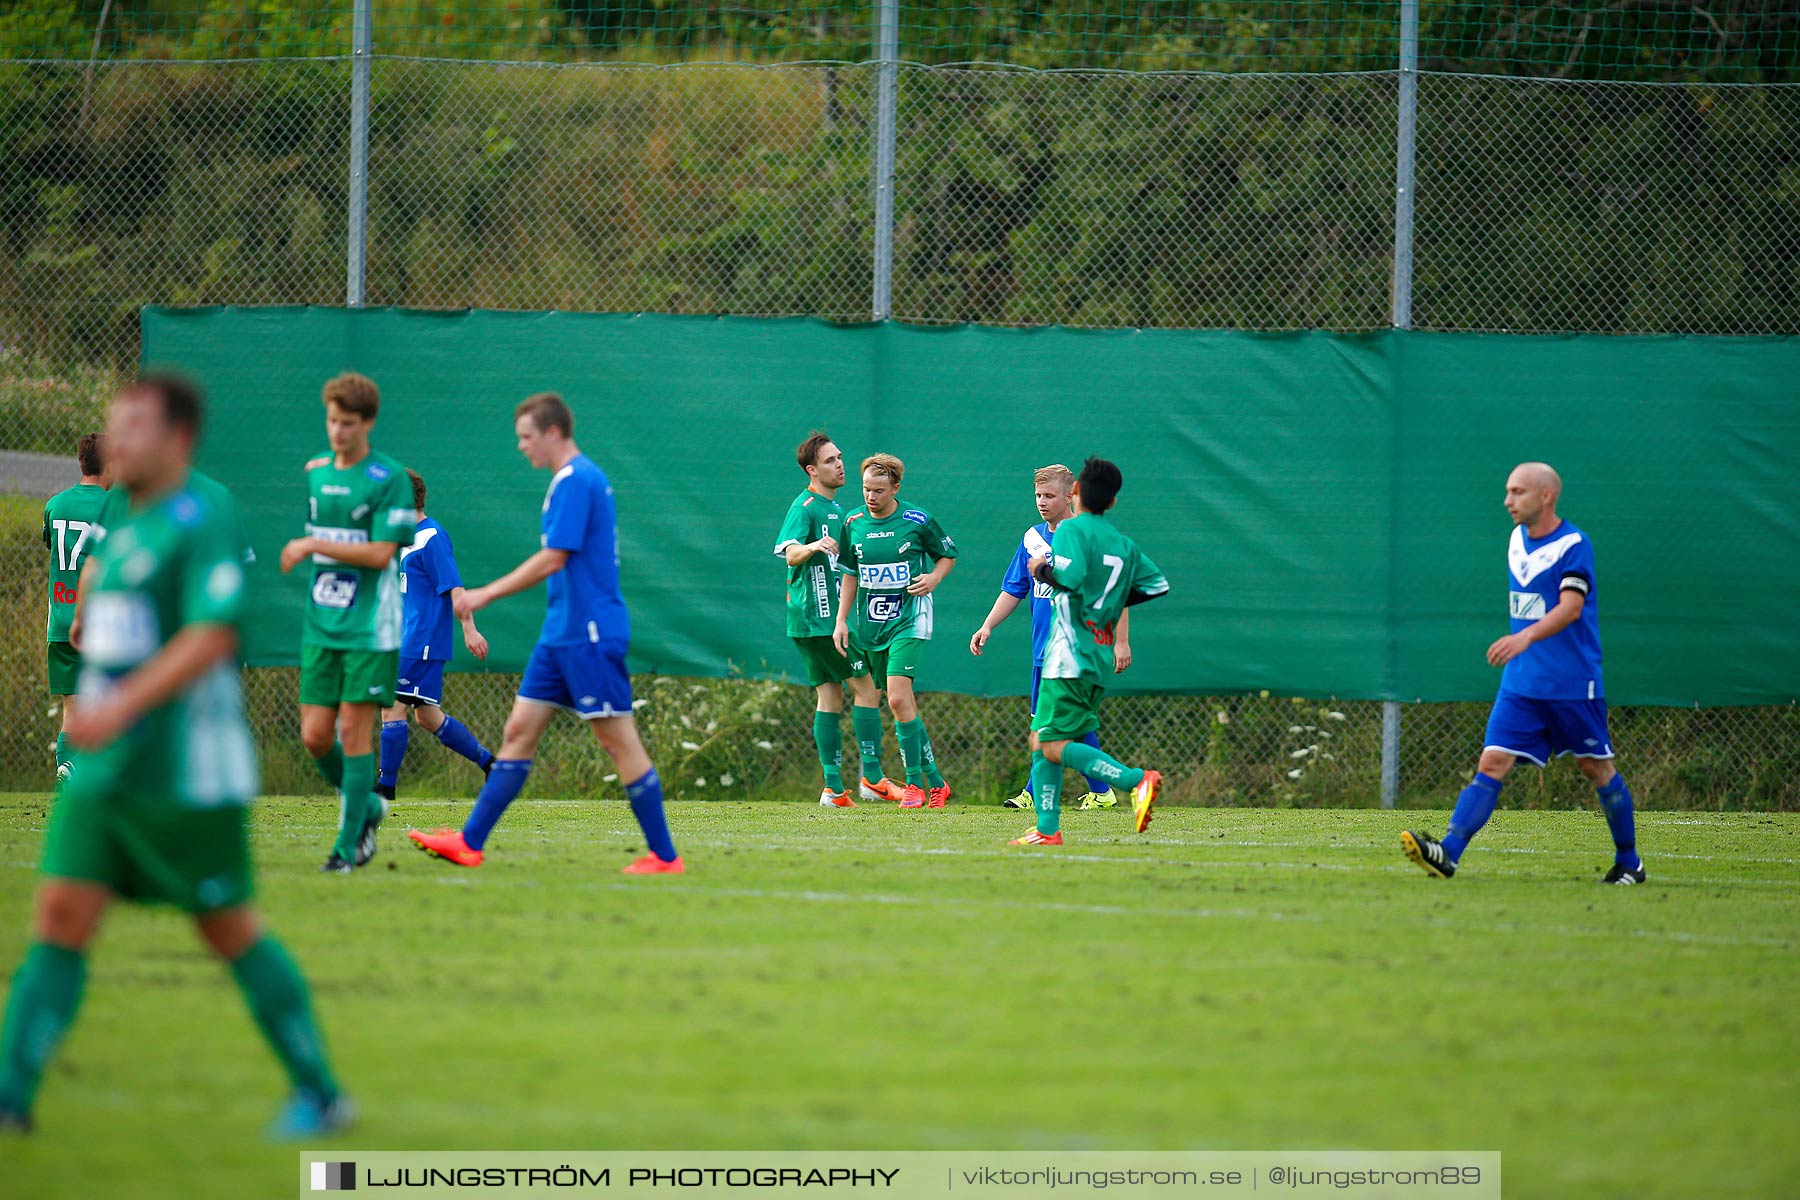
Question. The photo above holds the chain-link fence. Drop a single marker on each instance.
(1575, 167)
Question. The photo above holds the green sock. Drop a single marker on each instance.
(1046, 793)
(331, 766)
(912, 754)
(276, 992)
(64, 761)
(358, 793)
(46, 992)
(933, 776)
(1098, 764)
(828, 735)
(867, 723)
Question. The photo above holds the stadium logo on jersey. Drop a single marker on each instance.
(884, 576)
(880, 533)
(1527, 606)
(1527, 566)
(884, 606)
(335, 589)
(377, 472)
(334, 489)
(915, 516)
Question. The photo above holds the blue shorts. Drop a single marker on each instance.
(1037, 679)
(1539, 730)
(588, 679)
(421, 681)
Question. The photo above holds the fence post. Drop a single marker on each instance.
(1404, 154)
(887, 82)
(356, 265)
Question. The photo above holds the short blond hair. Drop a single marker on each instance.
(884, 464)
(1055, 473)
(354, 394)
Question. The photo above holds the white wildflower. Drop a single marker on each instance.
(690, 745)
(766, 745)
(726, 780)
(1295, 773)
(1336, 716)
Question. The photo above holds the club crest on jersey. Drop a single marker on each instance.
(377, 472)
(884, 576)
(915, 516)
(1527, 606)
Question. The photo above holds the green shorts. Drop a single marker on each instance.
(1067, 710)
(900, 657)
(332, 677)
(151, 850)
(65, 669)
(824, 664)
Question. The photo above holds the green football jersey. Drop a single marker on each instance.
(812, 591)
(353, 608)
(176, 562)
(1098, 571)
(885, 555)
(71, 531)
(117, 510)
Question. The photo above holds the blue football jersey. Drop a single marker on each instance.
(585, 603)
(1538, 571)
(1017, 583)
(427, 577)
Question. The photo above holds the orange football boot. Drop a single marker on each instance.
(887, 789)
(652, 865)
(1143, 798)
(940, 796)
(831, 799)
(913, 797)
(446, 844)
(1034, 838)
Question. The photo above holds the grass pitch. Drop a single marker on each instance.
(1235, 979)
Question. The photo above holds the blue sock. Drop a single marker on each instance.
(456, 736)
(645, 795)
(1473, 808)
(1096, 785)
(500, 790)
(1615, 802)
(393, 749)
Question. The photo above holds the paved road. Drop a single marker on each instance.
(37, 475)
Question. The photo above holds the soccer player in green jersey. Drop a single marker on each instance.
(156, 810)
(360, 512)
(71, 518)
(808, 543)
(1094, 572)
(893, 559)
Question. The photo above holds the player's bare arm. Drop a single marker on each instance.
(472, 637)
(1004, 604)
(1122, 644)
(528, 574)
(187, 656)
(840, 633)
(1566, 612)
(923, 585)
(798, 552)
(370, 556)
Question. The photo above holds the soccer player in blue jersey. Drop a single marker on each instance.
(578, 664)
(1054, 487)
(430, 584)
(1552, 701)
